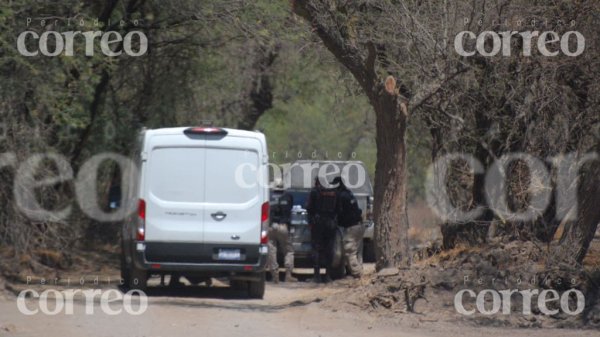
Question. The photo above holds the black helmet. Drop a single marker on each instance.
(338, 181)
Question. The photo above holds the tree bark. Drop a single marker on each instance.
(391, 110)
(95, 107)
(577, 235)
(261, 91)
(391, 229)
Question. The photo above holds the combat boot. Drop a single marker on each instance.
(289, 277)
(317, 273)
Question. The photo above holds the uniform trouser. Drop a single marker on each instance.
(323, 234)
(353, 237)
(279, 236)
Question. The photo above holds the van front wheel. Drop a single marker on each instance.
(256, 289)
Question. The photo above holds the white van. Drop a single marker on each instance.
(202, 196)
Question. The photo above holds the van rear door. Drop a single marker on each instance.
(233, 193)
(175, 189)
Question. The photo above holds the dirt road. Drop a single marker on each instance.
(287, 310)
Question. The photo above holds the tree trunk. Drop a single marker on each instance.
(577, 235)
(95, 108)
(391, 219)
(391, 110)
(261, 91)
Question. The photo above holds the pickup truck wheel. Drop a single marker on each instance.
(337, 269)
(368, 251)
(338, 272)
(256, 289)
(138, 279)
(238, 285)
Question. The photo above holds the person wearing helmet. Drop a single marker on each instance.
(279, 233)
(321, 208)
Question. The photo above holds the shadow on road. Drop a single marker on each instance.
(190, 291)
(209, 297)
(221, 296)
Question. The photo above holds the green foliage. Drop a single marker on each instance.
(202, 64)
(316, 114)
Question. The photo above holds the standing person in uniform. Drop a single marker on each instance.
(321, 207)
(350, 219)
(279, 234)
(312, 217)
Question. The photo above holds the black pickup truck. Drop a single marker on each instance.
(298, 182)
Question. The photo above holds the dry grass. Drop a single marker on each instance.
(592, 259)
(424, 225)
(559, 232)
(449, 255)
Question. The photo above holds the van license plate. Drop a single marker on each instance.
(229, 254)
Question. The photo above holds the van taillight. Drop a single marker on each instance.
(264, 237)
(264, 223)
(140, 233)
(264, 215)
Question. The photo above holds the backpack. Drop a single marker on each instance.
(355, 211)
(350, 213)
(326, 202)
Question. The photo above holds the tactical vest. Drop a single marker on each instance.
(326, 203)
(281, 209)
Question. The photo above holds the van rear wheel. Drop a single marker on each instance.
(256, 289)
(125, 274)
(138, 279)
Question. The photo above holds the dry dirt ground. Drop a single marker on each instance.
(292, 309)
